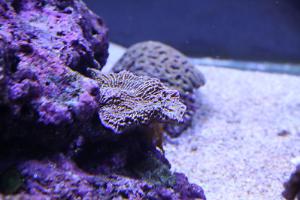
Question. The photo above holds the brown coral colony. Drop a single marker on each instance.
(161, 61)
(127, 100)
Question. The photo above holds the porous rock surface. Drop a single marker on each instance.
(49, 43)
(2, 73)
(126, 167)
(161, 61)
(52, 143)
(62, 178)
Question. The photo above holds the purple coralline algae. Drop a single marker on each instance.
(64, 180)
(127, 100)
(123, 168)
(60, 178)
(50, 44)
(161, 61)
(60, 115)
(2, 73)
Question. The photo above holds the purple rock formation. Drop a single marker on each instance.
(50, 132)
(62, 179)
(127, 101)
(2, 73)
(124, 167)
(49, 42)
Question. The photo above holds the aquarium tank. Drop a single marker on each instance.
(152, 100)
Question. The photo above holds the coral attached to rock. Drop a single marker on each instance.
(127, 100)
(158, 60)
(52, 144)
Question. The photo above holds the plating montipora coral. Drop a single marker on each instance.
(127, 100)
(161, 61)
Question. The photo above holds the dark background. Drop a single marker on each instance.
(257, 30)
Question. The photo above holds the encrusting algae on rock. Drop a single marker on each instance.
(70, 131)
(161, 61)
(48, 43)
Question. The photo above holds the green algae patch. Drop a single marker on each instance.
(10, 181)
(155, 172)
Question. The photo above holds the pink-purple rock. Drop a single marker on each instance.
(50, 45)
(61, 178)
(50, 132)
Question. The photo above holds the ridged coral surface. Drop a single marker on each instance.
(127, 100)
(161, 61)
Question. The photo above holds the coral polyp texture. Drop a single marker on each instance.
(127, 100)
(161, 61)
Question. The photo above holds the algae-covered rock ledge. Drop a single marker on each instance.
(67, 130)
